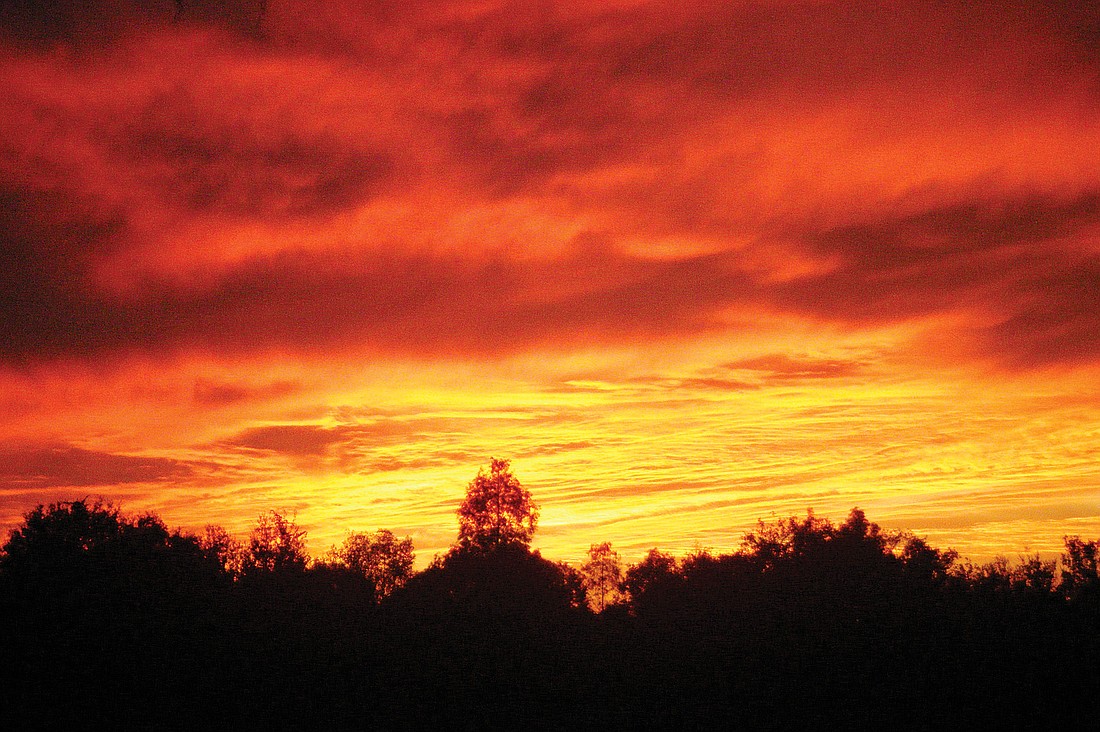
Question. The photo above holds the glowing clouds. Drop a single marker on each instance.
(548, 231)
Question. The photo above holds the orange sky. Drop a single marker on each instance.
(686, 264)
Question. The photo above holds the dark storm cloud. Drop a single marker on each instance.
(289, 439)
(507, 155)
(58, 465)
(555, 448)
(1059, 323)
(214, 393)
(352, 443)
(1077, 22)
(91, 23)
(1016, 261)
(961, 231)
(416, 304)
(216, 166)
(47, 241)
(756, 373)
(1004, 255)
(1007, 260)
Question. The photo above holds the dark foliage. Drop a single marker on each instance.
(116, 622)
(497, 511)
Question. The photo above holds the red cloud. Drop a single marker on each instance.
(59, 465)
(300, 182)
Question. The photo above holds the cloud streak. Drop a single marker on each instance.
(54, 466)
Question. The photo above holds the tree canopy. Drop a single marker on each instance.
(276, 544)
(602, 575)
(114, 621)
(497, 511)
(380, 557)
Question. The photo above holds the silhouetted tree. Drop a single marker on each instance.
(276, 544)
(60, 534)
(602, 575)
(814, 544)
(926, 564)
(508, 581)
(68, 542)
(380, 557)
(111, 612)
(1034, 575)
(574, 584)
(992, 577)
(116, 622)
(223, 549)
(656, 573)
(1080, 568)
(782, 539)
(707, 584)
(857, 531)
(493, 635)
(497, 511)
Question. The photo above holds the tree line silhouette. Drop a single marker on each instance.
(108, 620)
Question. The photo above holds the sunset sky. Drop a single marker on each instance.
(687, 264)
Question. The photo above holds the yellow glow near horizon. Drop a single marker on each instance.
(679, 461)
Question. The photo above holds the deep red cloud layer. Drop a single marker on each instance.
(1019, 264)
(499, 103)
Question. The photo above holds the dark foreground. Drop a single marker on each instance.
(811, 625)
